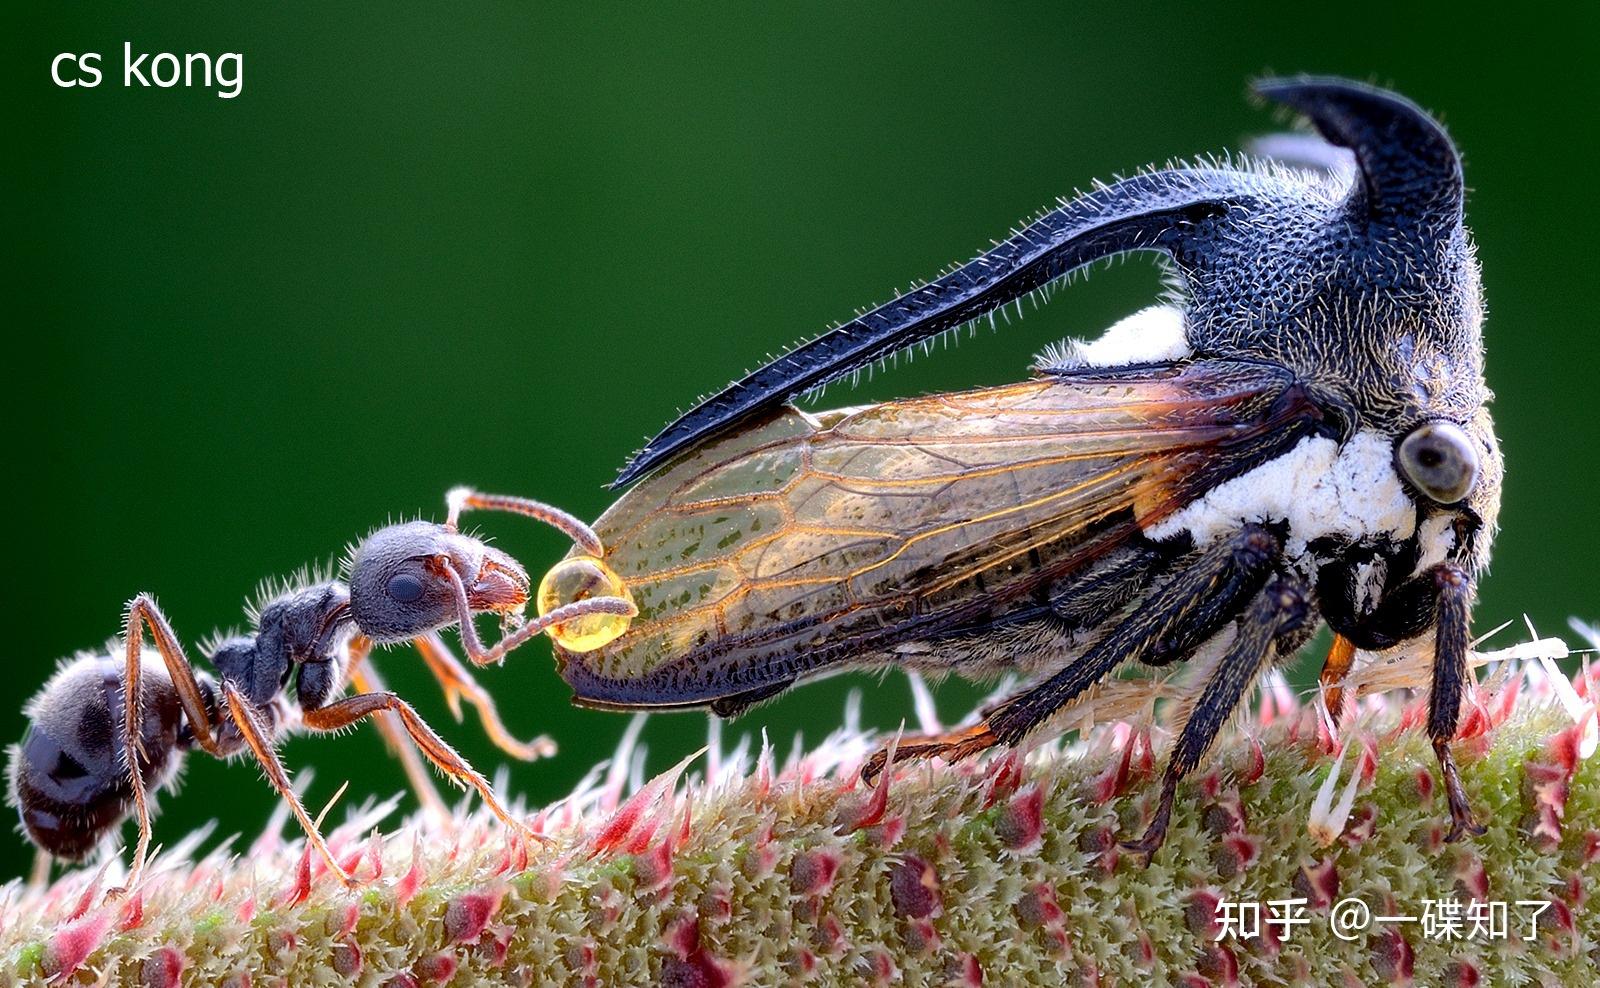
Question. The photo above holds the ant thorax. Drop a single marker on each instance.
(301, 633)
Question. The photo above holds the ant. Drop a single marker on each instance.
(73, 777)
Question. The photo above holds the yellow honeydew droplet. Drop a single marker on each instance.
(580, 578)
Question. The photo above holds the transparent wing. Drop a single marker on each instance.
(802, 542)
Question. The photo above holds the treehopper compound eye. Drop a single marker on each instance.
(580, 578)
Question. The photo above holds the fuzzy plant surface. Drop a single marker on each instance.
(741, 870)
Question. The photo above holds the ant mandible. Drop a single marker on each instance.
(73, 776)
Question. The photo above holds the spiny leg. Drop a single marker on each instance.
(458, 684)
(463, 499)
(364, 678)
(143, 612)
(1186, 610)
(343, 713)
(256, 738)
(1277, 614)
(1451, 643)
(479, 655)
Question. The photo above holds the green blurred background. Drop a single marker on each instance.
(497, 244)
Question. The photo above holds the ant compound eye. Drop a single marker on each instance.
(405, 588)
(580, 578)
(396, 591)
(1439, 459)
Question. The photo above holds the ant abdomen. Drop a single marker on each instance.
(68, 779)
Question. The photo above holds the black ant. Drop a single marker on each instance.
(72, 777)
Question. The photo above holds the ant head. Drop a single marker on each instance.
(402, 580)
(67, 777)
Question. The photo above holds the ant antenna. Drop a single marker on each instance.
(462, 499)
(582, 603)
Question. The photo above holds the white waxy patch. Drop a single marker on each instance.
(1319, 488)
(1369, 581)
(1435, 541)
(1149, 336)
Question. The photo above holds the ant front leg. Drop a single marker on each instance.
(1451, 642)
(143, 612)
(458, 684)
(351, 709)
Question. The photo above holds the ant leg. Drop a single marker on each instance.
(1277, 613)
(1188, 609)
(458, 684)
(143, 612)
(463, 499)
(1451, 642)
(365, 680)
(343, 713)
(566, 612)
(39, 876)
(247, 721)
